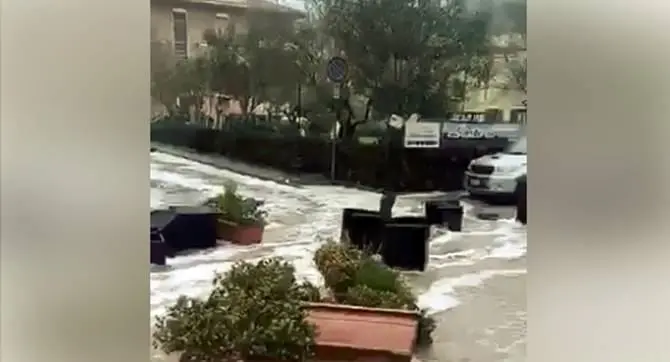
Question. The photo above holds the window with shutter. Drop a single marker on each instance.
(180, 33)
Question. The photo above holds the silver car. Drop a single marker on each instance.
(496, 175)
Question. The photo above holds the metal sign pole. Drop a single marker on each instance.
(334, 135)
(337, 70)
(333, 157)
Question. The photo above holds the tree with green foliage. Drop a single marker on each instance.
(166, 79)
(178, 84)
(268, 63)
(514, 13)
(405, 55)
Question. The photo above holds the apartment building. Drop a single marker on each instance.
(182, 23)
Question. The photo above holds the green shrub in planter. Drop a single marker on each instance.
(236, 209)
(364, 296)
(309, 292)
(338, 265)
(253, 313)
(358, 279)
(378, 276)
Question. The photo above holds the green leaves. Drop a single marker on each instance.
(238, 209)
(253, 312)
(357, 279)
(338, 265)
(404, 52)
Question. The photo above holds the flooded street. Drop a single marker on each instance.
(474, 284)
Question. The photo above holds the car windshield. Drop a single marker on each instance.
(518, 147)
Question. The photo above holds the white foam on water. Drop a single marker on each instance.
(443, 238)
(509, 249)
(192, 275)
(441, 295)
(227, 252)
(512, 244)
(450, 263)
(157, 199)
(195, 281)
(454, 255)
(321, 207)
(165, 158)
(179, 179)
(161, 198)
(273, 225)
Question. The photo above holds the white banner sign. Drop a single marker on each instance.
(422, 135)
(480, 130)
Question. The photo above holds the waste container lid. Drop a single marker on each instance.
(160, 218)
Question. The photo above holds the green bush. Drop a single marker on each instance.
(253, 312)
(358, 279)
(377, 276)
(364, 296)
(309, 292)
(237, 209)
(338, 265)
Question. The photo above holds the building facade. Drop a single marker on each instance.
(183, 23)
(179, 26)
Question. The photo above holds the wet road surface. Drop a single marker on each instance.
(474, 283)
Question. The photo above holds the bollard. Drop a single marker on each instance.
(405, 245)
(362, 228)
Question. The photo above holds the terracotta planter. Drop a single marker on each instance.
(348, 333)
(239, 234)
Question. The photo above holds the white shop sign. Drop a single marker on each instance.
(479, 131)
(422, 135)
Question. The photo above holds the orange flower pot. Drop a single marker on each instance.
(240, 234)
(350, 333)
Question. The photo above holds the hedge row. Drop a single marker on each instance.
(374, 166)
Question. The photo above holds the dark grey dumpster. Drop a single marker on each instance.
(405, 245)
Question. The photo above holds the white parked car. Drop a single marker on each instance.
(497, 174)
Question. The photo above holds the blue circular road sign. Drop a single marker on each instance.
(337, 69)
